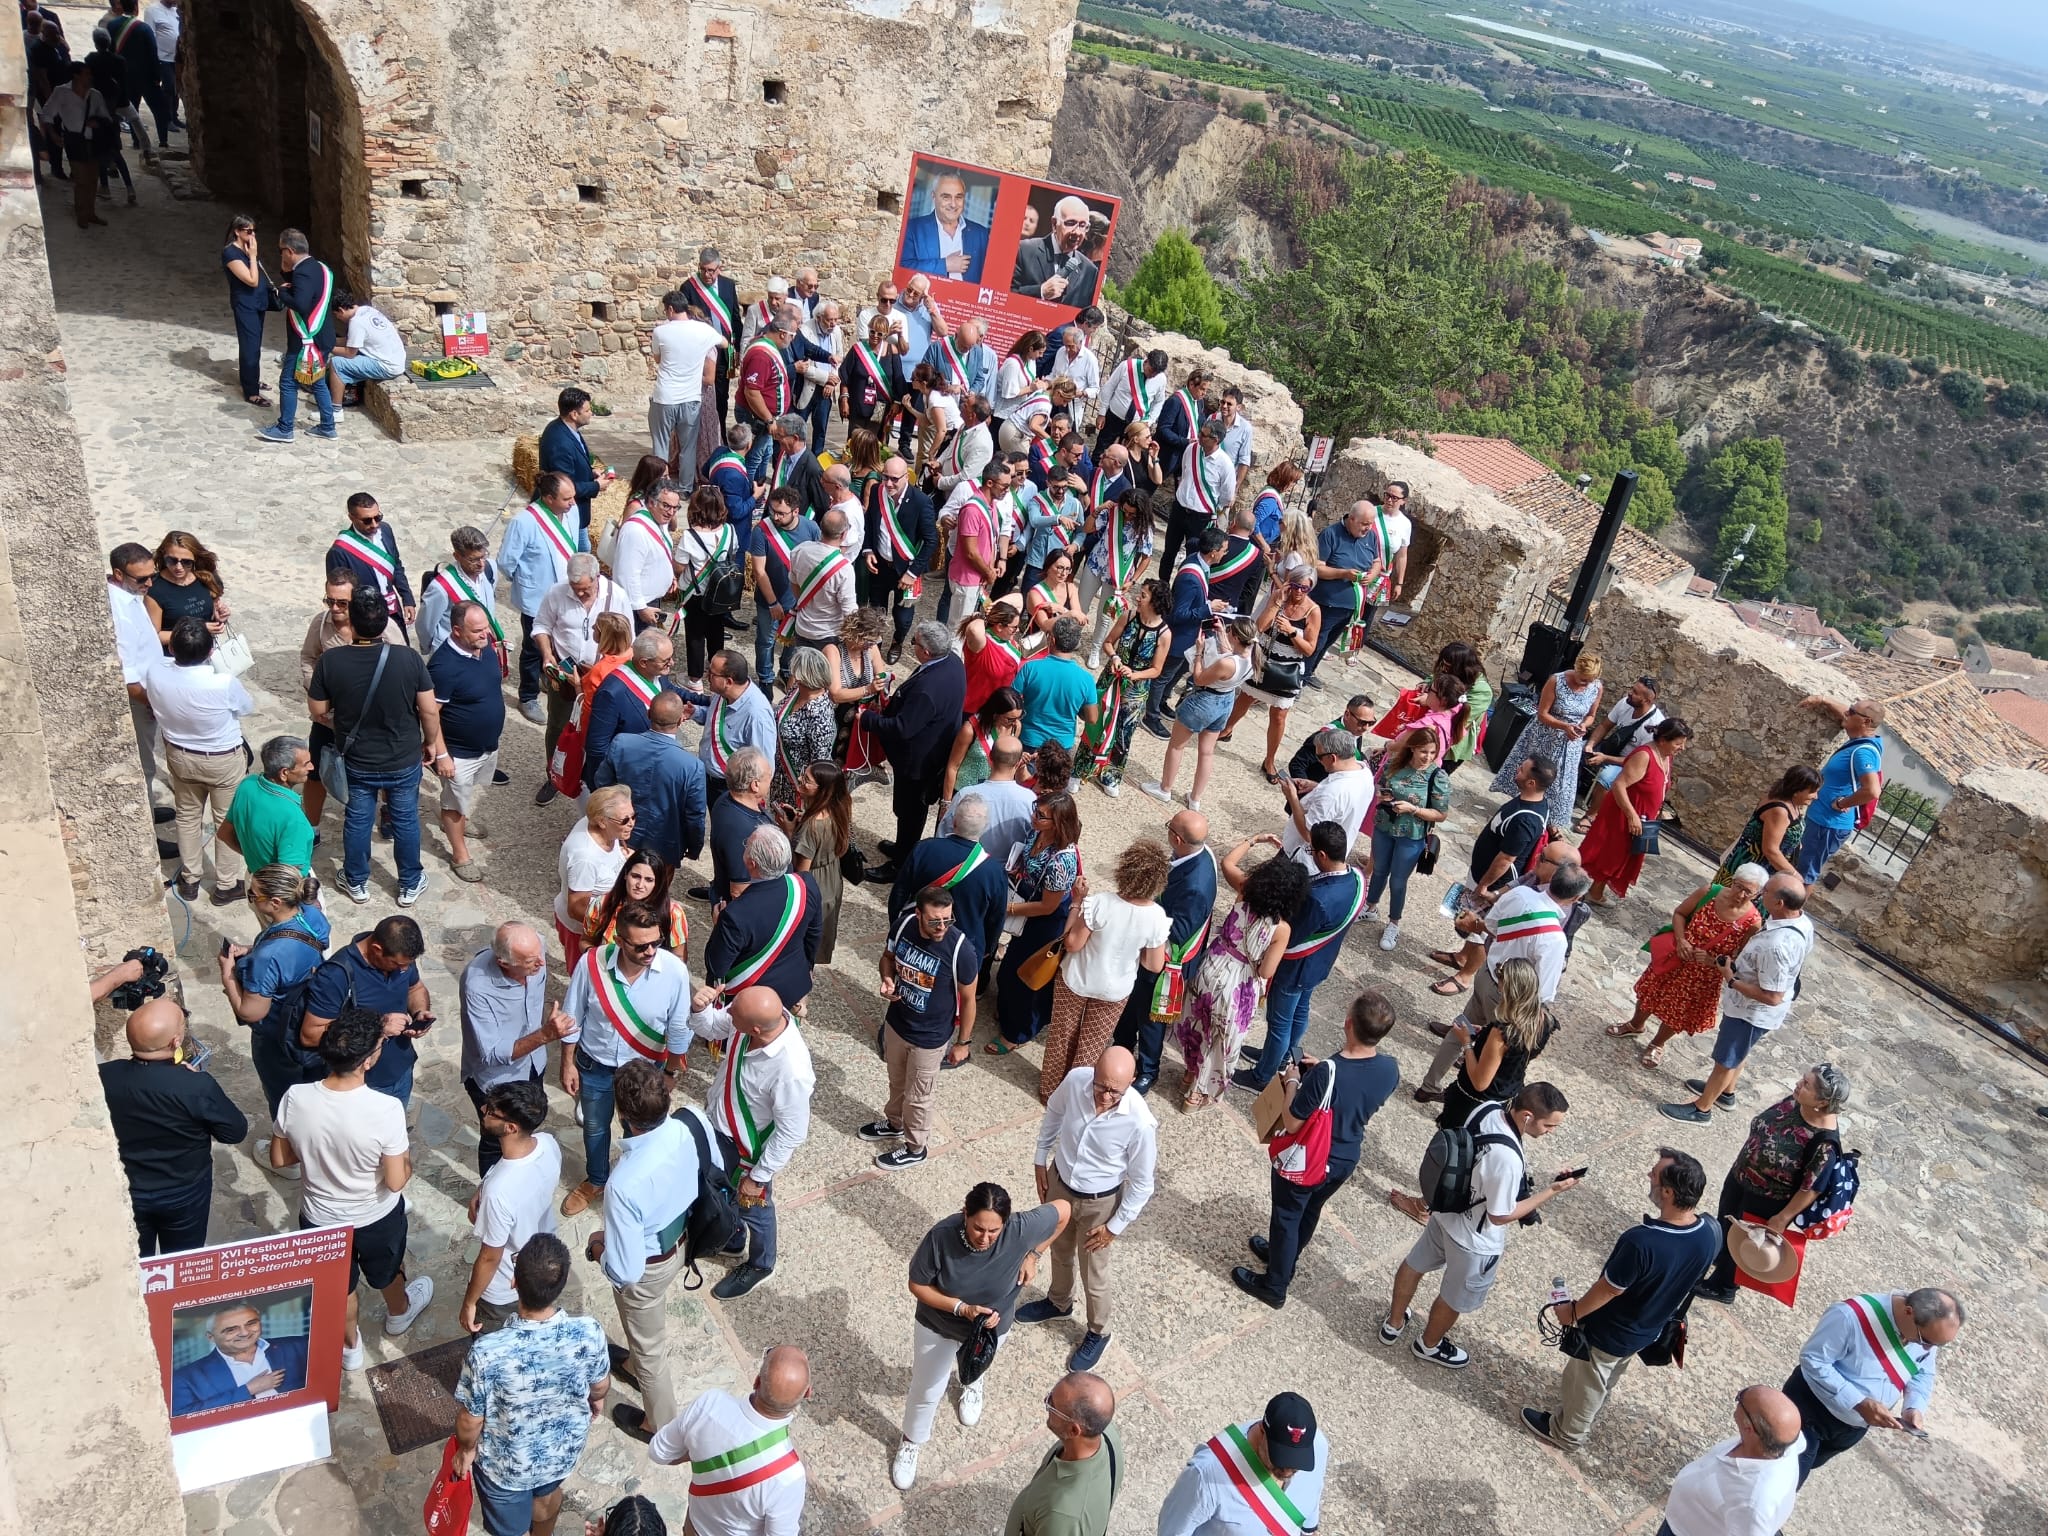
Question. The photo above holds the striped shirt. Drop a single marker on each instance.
(1526, 924)
(745, 1478)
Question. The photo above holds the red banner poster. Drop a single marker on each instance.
(1016, 252)
(248, 1329)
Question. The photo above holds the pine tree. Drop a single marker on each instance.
(1173, 290)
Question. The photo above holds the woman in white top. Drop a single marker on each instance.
(1108, 937)
(1017, 382)
(592, 856)
(1295, 549)
(1222, 662)
(707, 539)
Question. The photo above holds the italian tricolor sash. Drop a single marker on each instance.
(1195, 471)
(1094, 496)
(976, 857)
(1874, 1317)
(1200, 572)
(900, 550)
(1169, 993)
(1009, 650)
(715, 554)
(1231, 565)
(459, 590)
(1384, 581)
(1529, 925)
(637, 685)
(1141, 400)
(1255, 1485)
(780, 542)
(744, 1465)
(310, 354)
(779, 365)
(726, 321)
(714, 734)
(725, 458)
(652, 529)
(1353, 637)
(783, 462)
(811, 586)
(873, 365)
(1109, 698)
(734, 1115)
(1029, 406)
(611, 996)
(1316, 941)
(1277, 507)
(955, 364)
(795, 903)
(1042, 596)
(1188, 404)
(1123, 559)
(557, 537)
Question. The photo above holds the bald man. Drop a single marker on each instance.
(761, 1491)
(506, 1031)
(669, 784)
(1051, 266)
(1744, 1486)
(1189, 898)
(242, 1367)
(902, 532)
(167, 1115)
(1071, 1492)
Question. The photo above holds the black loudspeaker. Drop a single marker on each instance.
(1512, 713)
(1550, 650)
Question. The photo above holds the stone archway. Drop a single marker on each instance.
(277, 126)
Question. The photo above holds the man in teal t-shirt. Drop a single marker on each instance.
(265, 822)
(1058, 691)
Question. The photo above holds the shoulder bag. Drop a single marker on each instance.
(1303, 1156)
(1432, 844)
(1645, 843)
(231, 654)
(333, 760)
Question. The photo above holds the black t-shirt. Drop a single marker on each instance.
(166, 1120)
(929, 976)
(191, 601)
(731, 825)
(1655, 1266)
(1514, 829)
(383, 734)
(1363, 1084)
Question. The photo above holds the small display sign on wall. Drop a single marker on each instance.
(465, 333)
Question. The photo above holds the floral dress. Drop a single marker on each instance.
(803, 737)
(1749, 847)
(1110, 740)
(1574, 705)
(1224, 1000)
(1686, 994)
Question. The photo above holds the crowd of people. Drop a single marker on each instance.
(1025, 683)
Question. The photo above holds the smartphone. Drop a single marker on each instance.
(1573, 1173)
(225, 946)
(424, 1022)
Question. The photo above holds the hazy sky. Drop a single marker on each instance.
(2014, 30)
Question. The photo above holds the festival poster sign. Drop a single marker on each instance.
(1018, 252)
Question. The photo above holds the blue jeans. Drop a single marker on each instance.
(288, 397)
(172, 1220)
(1334, 621)
(363, 369)
(1817, 846)
(401, 792)
(1393, 861)
(759, 455)
(764, 643)
(1286, 1026)
(594, 1093)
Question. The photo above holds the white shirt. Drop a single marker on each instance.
(1722, 1494)
(1014, 385)
(134, 635)
(342, 1137)
(571, 626)
(651, 1188)
(71, 111)
(1218, 474)
(196, 708)
(1116, 394)
(246, 1371)
(1203, 1500)
(371, 332)
(1345, 797)
(1623, 712)
(680, 347)
(166, 23)
(644, 565)
(1106, 967)
(1096, 1152)
(713, 1424)
(1082, 367)
(1496, 1190)
(1770, 961)
(1528, 924)
(856, 525)
(825, 611)
(777, 1081)
(584, 864)
(898, 322)
(517, 1202)
(1400, 531)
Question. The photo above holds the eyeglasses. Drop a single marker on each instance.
(339, 604)
(177, 562)
(1057, 1412)
(647, 948)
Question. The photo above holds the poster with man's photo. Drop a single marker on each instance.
(1019, 253)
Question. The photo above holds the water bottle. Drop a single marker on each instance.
(1559, 1291)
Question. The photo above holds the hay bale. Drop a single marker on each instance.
(525, 462)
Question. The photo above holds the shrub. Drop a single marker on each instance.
(1827, 469)
(1890, 372)
(1984, 495)
(1964, 391)
(1927, 365)
(1174, 291)
(1253, 112)
(1877, 483)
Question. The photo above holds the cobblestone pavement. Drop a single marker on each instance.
(1954, 1156)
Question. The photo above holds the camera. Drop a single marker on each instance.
(131, 995)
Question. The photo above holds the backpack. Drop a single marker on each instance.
(722, 583)
(714, 1215)
(1834, 1197)
(1451, 1158)
(288, 1008)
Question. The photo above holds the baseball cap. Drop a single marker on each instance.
(1290, 1433)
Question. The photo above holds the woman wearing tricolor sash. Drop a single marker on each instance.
(1137, 655)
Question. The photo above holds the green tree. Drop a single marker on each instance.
(1964, 391)
(1173, 290)
(1745, 485)
(1253, 112)
(1390, 306)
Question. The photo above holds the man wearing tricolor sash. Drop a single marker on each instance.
(307, 293)
(746, 1478)
(1203, 488)
(368, 550)
(1348, 565)
(767, 387)
(619, 705)
(822, 588)
(1334, 899)
(1870, 1365)
(774, 542)
(643, 555)
(1158, 997)
(1191, 607)
(1235, 578)
(768, 934)
(627, 1001)
(1262, 1478)
(716, 295)
(760, 1103)
(539, 542)
(1134, 391)
(1179, 420)
(965, 358)
(902, 531)
(472, 577)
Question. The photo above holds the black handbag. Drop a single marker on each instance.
(853, 866)
(976, 1354)
(1668, 1348)
(1282, 674)
(1432, 849)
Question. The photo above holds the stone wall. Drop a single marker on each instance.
(1970, 912)
(1738, 689)
(1275, 418)
(84, 1438)
(558, 168)
(1476, 565)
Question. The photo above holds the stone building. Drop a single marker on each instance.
(558, 168)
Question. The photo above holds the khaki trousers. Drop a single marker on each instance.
(198, 781)
(1583, 1393)
(643, 1314)
(913, 1080)
(1481, 1007)
(1066, 1249)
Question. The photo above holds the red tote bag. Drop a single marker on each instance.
(450, 1498)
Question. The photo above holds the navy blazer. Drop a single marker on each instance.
(1231, 588)
(1190, 607)
(562, 448)
(668, 787)
(748, 922)
(917, 728)
(1174, 432)
(980, 902)
(921, 248)
(208, 1383)
(339, 559)
(737, 487)
(1189, 898)
(614, 711)
(919, 521)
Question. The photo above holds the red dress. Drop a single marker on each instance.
(1686, 994)
(1605, 851)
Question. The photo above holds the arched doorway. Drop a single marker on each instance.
(277, 127)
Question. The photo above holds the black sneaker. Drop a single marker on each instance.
(1724, 1294)
(899, 1158)
(1390, 1333)
(740, 1281)
(1721, 1101)
(879, 1130)
(544, 794)
(1158, 728)
(1247, 1078)
(1537, 1422)
(1446, 1354)
(500, 778)
(1042, 1311)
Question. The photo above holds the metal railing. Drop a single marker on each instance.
(1900, 829)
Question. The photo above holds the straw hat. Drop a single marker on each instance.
(1761, 1254)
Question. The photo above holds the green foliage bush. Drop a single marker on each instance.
(1173, 290)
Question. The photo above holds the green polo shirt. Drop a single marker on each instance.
(270, 825)
(1070, 1498)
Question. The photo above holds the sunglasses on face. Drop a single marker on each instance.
(177, 563)
(647, 948)
(368, 519)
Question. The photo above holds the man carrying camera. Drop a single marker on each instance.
(167, 1114)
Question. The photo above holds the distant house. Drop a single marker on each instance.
(1636, 87)
(1797, 626)
(1675, 177)
(1703, 182)
(1690, 76)
(1756, 101)
(2022, 711)
(1910, 643)
(1675, 252)
(1994, 667)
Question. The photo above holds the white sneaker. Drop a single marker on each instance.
(418, 1292)
(1369, 915)
(352, 1359)
(1111, 790)
(1390, 935)
(1153, 788)
(903, 1470)
(1192, 803)
(262, 1151)
(970, 1404)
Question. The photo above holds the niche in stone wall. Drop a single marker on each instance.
(721, 62)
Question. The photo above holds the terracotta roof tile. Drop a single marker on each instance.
(2021, 711)
(1942, 717)
(1493, 462)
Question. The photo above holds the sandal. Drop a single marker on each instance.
(997, 1047)
(1624, 1029)
(1224, 737)
(1271, 776)
(1195, 1099)
(1447, 957)
(1409, 1206)
(1450, 986)
(1653, 1056)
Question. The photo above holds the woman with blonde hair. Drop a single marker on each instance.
(804, 724)
(1108, 937)
(1566, 709)
(1295, 549)
(855, 669)
(613, 636)
(592, 855)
